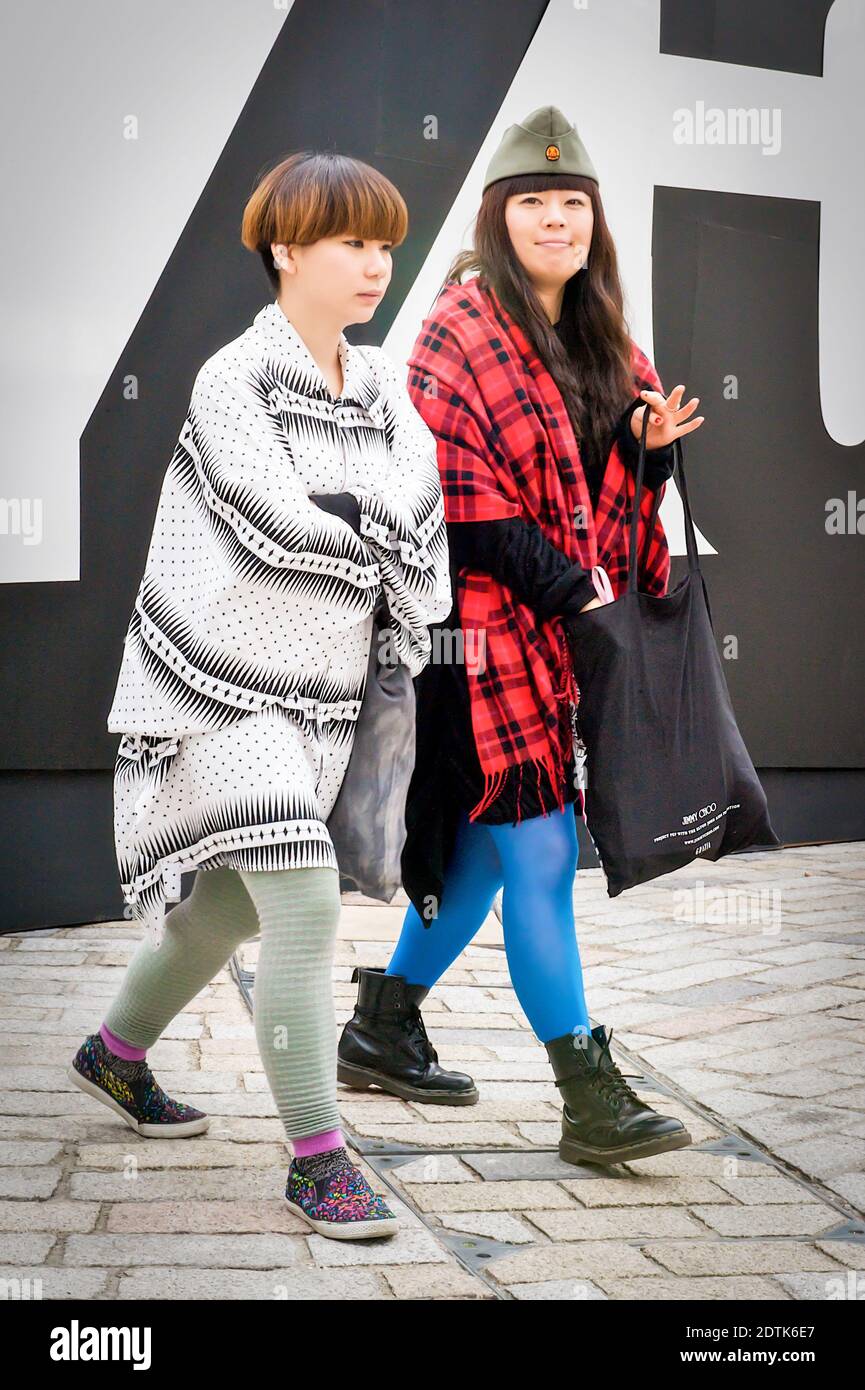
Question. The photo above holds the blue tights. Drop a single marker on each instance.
(535, 861)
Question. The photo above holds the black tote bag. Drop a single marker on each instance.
(668, 777)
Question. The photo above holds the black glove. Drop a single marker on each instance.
(342, 504)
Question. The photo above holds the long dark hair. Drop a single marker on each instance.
(592, 365)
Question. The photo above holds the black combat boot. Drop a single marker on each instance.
(604, 1120)
(385, 1044)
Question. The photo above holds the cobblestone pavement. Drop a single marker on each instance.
(736, 993)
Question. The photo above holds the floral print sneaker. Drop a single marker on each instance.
(335, 1199)
(130, 1089)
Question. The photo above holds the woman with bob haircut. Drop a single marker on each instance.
(535, 391)
(304, 483)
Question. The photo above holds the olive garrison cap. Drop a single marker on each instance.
(545, 142)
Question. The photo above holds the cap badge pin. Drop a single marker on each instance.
(553, 152)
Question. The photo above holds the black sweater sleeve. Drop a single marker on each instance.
(342, 504)
(659, 462)
(517, 553)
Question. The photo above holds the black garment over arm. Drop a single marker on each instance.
(518, 554)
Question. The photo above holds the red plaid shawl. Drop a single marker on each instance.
(506, 448)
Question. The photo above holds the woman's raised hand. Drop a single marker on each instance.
(667, 416)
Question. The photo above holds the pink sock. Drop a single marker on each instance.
(121, 1048)
(317, 1143)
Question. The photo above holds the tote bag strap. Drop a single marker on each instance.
(690, 536)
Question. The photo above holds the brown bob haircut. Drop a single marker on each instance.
(315, 194)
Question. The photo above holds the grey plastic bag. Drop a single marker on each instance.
(367, 823)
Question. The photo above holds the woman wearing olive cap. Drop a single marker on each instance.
(528, 377)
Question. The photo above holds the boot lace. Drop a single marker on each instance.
(608, 1079)
(416, 1029)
